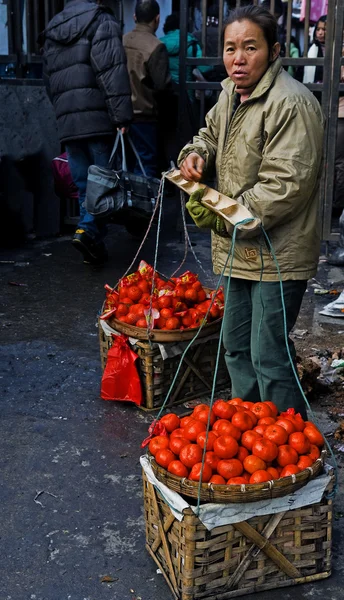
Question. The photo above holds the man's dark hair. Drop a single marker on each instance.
(146, 10)
(261, 17)
(171, 23)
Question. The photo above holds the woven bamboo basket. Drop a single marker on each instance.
(238, 493)
(263, 553)
(162, 336)
(195, 377)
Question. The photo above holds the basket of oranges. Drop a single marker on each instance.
(145, 305)
(253, 452)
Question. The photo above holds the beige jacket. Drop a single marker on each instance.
(267, 157)
(148, 66)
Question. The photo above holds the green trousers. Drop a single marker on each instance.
(254, 340)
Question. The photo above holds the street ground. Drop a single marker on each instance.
(72, 524)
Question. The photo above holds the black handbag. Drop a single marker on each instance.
(109, 191)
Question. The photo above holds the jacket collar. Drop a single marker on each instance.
(264, 84)
(145, 27)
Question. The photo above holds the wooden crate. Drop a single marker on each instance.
(195, 377)
(264, 553)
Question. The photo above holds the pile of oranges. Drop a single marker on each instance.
(176, 303)
(247, 443)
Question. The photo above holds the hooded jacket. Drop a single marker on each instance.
(85, 71)
(267, 155)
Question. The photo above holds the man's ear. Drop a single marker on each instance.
(276, 49)
(134, 17)
(157, 21)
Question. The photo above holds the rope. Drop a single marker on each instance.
(230, 255)
(335, 465)
(157, 205)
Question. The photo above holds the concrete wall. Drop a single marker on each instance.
(28, 143)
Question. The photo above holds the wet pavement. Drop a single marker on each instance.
(71, 491)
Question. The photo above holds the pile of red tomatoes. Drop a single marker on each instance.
(247, 443)
(145, 299)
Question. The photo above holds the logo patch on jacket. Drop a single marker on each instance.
(251, 254)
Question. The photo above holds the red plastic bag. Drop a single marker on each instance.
(121, 380)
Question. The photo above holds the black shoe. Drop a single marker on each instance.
(94, 253)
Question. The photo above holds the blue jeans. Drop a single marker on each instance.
(81, 154)
(145, 138)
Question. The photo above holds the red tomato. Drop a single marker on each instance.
(171, 422)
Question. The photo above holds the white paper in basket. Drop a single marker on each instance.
(216, 515)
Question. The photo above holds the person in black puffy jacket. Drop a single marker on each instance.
(87, 81)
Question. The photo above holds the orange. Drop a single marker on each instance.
(217, 480)
(177, 443)
(267, 421)
(248, 438)
(260, 429)
(122, 309)
(252, 416)
(276, 433)
(242, 453)
(158, 442)
(230, 468)
(226, 446)
(287, 455)
(286, 424)
(144, 286)
(164, 456)
(199, 409)
(299, 442)
(235, 401)
(166, 313)
(212, 459)
(242, 421)
(199, 473)
(190, 455)
(202, 439)
(223, 410)
(171, 422)
(265, 449)
(313, 434)
(203, 416)
(224, 427)
(273, 407)
(253, 464)
(172, 323)
(248, 405)
(261, 409)
(236, 481)
(273, 472)
(192, 429)
(289, 470)
(177, 433)
(134, 293)
(141, 323)
(304, 462)
(185, 420)
(191, 296)
(177, 468)
(260, 476)
(314, 453)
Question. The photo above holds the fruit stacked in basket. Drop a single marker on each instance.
(247, 443)
(145, 298)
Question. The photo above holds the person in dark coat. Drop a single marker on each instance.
(88, 83)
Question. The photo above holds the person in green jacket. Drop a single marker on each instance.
(171, 39)
(263, 139)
